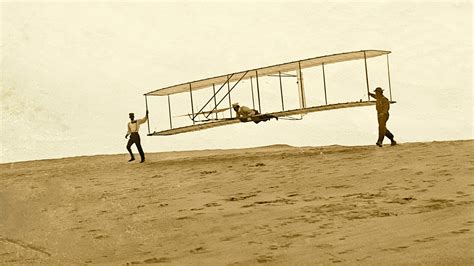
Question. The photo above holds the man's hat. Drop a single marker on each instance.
(378, 89)
(235, 104)
(131, 114)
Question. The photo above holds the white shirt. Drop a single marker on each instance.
(134, 127)
(245, 112)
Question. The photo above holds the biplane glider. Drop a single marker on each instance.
(222, 87)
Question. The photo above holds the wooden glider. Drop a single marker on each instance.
(218, 83)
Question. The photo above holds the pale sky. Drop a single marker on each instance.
(71, 72)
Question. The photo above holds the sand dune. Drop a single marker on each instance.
(407, 204)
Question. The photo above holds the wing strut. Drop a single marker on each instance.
(253, 98)
(258, 93)
(281, 92)
(169, 111)
(230, 101)
(389, 84)
(301, 92)
(214, 96)
(366, 76)
(324, 81)
(148, 119)
(192, 105)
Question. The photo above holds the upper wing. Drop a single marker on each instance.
(269, 70)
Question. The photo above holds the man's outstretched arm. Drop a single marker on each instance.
(143, 120)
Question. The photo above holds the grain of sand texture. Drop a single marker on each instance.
(278, 205)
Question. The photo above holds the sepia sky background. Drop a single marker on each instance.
(71, 72)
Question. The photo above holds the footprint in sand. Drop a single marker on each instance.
(434, 204)
(290, 236)
(150, 261)
(227, 238)
(443, 172)
(404, 200)
(275, 202)
(345, 251)
(273, 247)
(340, 186)
(469, 223)
(397, 249)
(461, 194)
(212, 204)
(426, 239)
(208, 172)
(102, 212)
(198, 250)
(264, 258)
(240, 196)
(155, 260)
(462, 231)
(333, 260)
(184, 218)
(324, 246)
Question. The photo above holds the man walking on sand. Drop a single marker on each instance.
(132, 129)
(382, 105)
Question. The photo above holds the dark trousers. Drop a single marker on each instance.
(135, 138)
(383, 131)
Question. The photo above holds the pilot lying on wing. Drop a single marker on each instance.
(245, 114)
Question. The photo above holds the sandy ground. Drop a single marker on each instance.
(407, 204)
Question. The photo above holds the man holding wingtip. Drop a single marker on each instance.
(132, 129)
(382, 105)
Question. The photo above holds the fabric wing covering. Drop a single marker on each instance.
(265, 71)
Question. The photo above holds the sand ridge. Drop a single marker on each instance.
(407, 204)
